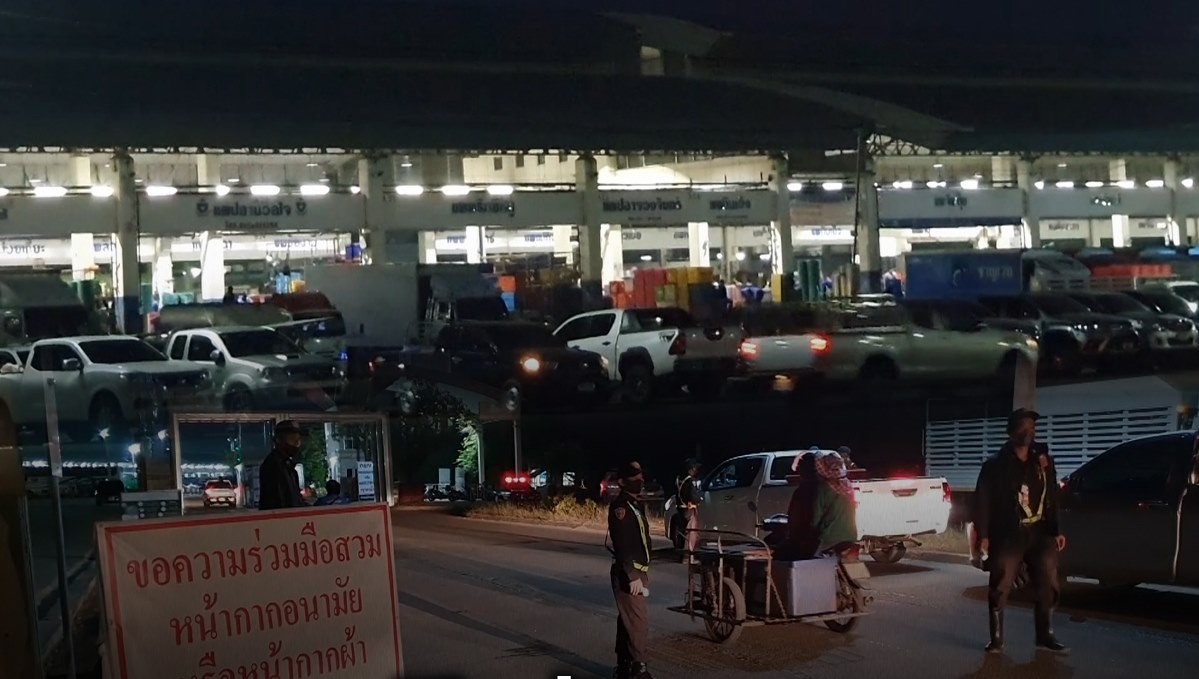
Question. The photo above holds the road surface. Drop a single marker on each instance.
(484, 599)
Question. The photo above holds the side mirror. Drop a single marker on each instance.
(72, 365)
(217, 357)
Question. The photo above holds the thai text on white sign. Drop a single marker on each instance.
(289, 593)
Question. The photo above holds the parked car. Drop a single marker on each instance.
(175, 317)
(1072, 336)
(1126, 513)
(740, 492)
(1187, 290)
(219, 493)
(962, 315)
(649, 350)
(523, 362)
(109, 491)
(103, 385)
(258, 367)
(876, 343)
(1159, 332)
(1164, 301)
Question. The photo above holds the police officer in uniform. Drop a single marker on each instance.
(1016, 521)
(629, 531)
(689, 498)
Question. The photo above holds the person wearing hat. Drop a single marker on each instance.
(278, 482)
(689, 499)
(1016, 522)
(629, 531)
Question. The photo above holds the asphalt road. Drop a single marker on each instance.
(483, 599)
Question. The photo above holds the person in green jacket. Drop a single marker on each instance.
(834, 518)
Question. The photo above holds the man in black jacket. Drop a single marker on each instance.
(629, 530)
(1015, 519)
(689, 499)
(278, 482)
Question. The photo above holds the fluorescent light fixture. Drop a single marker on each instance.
(905, 184)
(740, 255)
(832, 186)
(1126, 184)
(233, 180)
(313, 189)
(1094, 184)
(1039, 184)
(970, 184)
(311, 164)
(221, 190)
(500, 190)
(49, 191)
(938, 165)
(264, 190)
(1188, 183)
(936, 185)
(795, 186)
(3, 191)
(406, 164)
(102, 191)
(647, 258)
(1063, 165)
(35, 180)
(355, 189)
(160, 191)
(455, 190)
(1155, 183)
(1065, 184)
(410, 189)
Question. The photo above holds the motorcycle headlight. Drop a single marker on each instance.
(530, 364)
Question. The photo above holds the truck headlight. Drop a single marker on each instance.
(530, 364)
(273, 373)
(1032, 344)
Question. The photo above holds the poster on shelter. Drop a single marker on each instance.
(289, 593)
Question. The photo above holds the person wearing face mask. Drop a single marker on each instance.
(1016, 521)
(631, 546)
(278, 482)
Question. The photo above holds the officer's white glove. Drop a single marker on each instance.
(637, 588)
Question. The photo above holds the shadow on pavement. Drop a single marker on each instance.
(882, 570)
(760, 649)
(1170, 611)
(1042, 666)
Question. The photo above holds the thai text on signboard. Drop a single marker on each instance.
(290, 593)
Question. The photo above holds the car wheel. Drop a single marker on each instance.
(637, 379)
(105, 418)
(239, 399)
(893, 553)
(1063, 358)
(878, 370)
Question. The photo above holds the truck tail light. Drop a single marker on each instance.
(946, 494)
(679, 346)
(749, 350)
(820, 345)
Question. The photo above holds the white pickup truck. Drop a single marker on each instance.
(876, 342)
(102, 384)
(648, 349)
(741, 492)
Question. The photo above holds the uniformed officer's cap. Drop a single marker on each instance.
(1020, 414)
(285, 427)
(630, 469)
(691, 463)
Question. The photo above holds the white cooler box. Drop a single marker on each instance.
(806, 587)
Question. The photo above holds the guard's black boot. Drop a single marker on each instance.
(1045, 638)
(996, 621)
(639, 671)
(622, 670)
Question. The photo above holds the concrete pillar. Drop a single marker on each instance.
(782, 252)
(163, 277)
(866, 238)
(81, 170)
(564, 243)
(438, 169)
(1175, 220)
(428, 247)
(376, 181)
(699, 245)
(1003, 170)
(612, 242)
(83, 256)
(208, 169)
(1118, 172)
(1030, 222)
(728, 252)
(590, 246)
(475, 245)
(212, 265)
(1094, 236)
(125, 275)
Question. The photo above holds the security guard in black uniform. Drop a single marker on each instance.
(1016, 521)
(689, 499)
(629, 530)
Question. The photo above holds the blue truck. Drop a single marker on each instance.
(971, 274)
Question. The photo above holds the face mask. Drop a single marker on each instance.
(635, 486)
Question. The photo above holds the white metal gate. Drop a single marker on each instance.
(956, 449)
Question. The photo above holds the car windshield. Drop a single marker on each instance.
(1168, 304)
(218, 484)
(1121, 304)
(1187, 291)
(1059, 304)
(120, 351)
(257, 343)
(513, 336)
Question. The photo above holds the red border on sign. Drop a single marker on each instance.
(152, 525)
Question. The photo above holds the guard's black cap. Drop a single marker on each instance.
(283, 427)
(691, 463)
(630, 469)
(1020, 414)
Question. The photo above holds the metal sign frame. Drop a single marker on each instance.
(274, 417)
